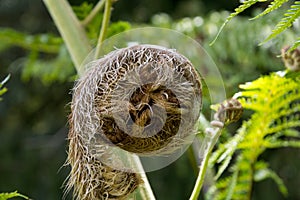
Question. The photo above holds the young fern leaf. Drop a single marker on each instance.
(225, 152)
(275, 100)
(241, 8)
(274, 5)
(287, 21)
(295, 45)
(232, 185)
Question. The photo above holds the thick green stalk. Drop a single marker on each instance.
(71, 30)
(79, 47)
(104, 26)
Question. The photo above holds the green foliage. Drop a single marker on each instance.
(246, 4)
(262, 172)
(272, 6)
(93, 27)
(275, 100)
(54, 69)
(229, 52)
(289, 17)
(296, 44)
(82, 10)
(117, 27)
(2, 88)
(46, 43)
(5, 196)
(48, 59)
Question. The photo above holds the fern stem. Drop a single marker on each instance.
(212, 135)
(93, 13)
(104, 26)
(227, 112)
(71, 30)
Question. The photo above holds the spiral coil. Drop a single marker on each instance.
(142, 99)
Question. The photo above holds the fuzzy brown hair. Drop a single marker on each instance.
(143, 99)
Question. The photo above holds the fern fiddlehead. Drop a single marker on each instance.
(143, 99)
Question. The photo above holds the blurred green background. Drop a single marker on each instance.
(33, 113)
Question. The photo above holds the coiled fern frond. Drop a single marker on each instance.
(275, 100)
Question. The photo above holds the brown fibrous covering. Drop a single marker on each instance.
(143, 99)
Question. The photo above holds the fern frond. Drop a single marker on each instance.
(291, 133)
(287, 20)
(232, 185)
(262, 172)
(213, 192)
(289, 17)
(246, 4)
(295, 45)
(275, 100)
(293, 108)
(237, 185)
(274, 5)
(271, 89)
(225, 152)
(5, 196)
(285, 124)
(282, 143)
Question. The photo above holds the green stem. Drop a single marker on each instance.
(211, 136)
(105, 22)
(93, 13)
(200, 178)
(71, 31)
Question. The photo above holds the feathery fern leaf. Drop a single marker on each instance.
(287, 20)
(290, 16)
(273, 6)
(295, 45)
(225, 152)
(5, 196)
(246, 4)
(275, 101)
